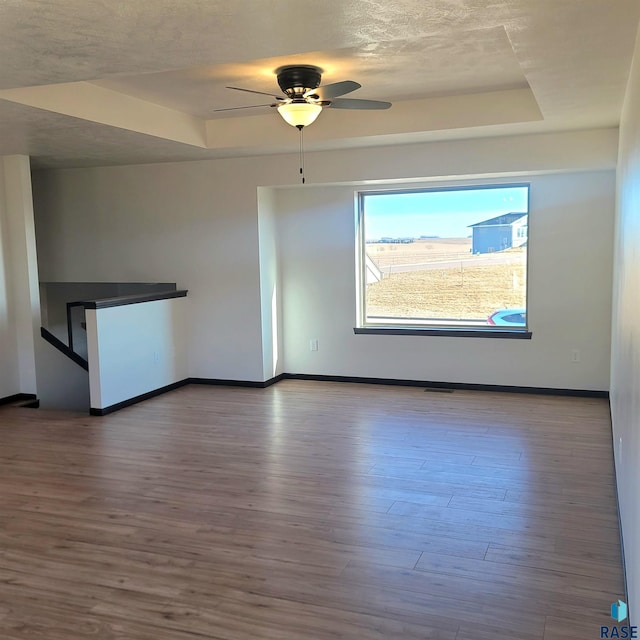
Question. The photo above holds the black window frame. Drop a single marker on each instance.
(425, 329)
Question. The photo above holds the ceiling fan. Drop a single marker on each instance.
(304, 98)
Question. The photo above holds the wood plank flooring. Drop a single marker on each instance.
(310, 511)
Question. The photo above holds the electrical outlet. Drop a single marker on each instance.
(313, 344)
(156, 357)
(575, 355)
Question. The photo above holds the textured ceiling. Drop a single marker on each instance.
(89, 83)
(473, 61)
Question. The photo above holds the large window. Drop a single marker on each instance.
(448, 258)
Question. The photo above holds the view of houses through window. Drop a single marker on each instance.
(454, 257)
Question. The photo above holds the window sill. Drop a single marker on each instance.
(514, 334)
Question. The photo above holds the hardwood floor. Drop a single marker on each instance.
(310, 511)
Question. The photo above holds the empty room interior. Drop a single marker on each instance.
(319, 320)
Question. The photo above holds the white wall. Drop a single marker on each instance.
(9, 378)
(625, 352)
(198, 224)
(24, 272)
(270, 286)
(134, 349)
(187, 223)
(19, 296)
(570, 253)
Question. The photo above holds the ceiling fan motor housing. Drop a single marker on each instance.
(295, 81)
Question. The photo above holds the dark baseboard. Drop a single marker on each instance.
(33, 404)
(427, 385)
(582, 393)
(238, 383)
(19, 397)
(145, 396)
(281, 376)
(176, 385)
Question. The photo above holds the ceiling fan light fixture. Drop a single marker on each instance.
(299, 114)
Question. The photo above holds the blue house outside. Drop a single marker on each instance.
(500, 233)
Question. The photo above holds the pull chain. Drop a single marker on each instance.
(300, 128)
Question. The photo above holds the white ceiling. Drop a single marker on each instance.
(87, 82)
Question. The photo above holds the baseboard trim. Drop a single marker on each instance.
(255, 384)
(238, 383)
(176, 385)
(462, 386)
(18, 397)
(145, 396)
